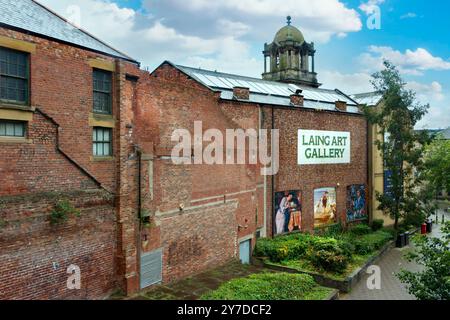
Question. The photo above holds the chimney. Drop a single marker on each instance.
(341, 105)
(297, 100)
(241, 93)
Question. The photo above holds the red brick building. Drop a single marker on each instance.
(84, 130)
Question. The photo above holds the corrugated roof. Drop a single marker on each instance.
(269, 92)
(370, 99)
(31, 16)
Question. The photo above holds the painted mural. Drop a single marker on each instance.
(356, 202)
(324, 206)
(288, 212)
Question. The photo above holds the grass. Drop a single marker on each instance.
(304, 265)
(270, 286)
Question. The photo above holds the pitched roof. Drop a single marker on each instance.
(370, 99)
(268, 92)
(31, 16)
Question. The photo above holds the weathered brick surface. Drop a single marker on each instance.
(61, 87)
(306, 178)
(35, 255)
(38, 166)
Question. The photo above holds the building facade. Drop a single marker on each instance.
(88, 180)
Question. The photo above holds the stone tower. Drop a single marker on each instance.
(289, 58)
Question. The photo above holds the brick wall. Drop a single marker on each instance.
(61, 85)
(35, 255)
(216, 198)
(306, 178)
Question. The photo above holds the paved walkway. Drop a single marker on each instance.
(391, 287)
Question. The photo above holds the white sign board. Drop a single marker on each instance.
(323, 147)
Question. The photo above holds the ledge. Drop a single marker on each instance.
(15, 140)
(15, 112)
(101, 159)
(102, 64)
(101, 120)
(19, 45)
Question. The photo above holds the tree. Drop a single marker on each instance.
(401, 146)
(437, 164)
(433, 282)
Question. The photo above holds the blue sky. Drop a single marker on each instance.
(228, 36)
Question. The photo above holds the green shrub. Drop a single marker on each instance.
(377, 224)
(414, 219)
(267, 286)
(360, 229)
(283, 248)
(369, 243)
(61, 211)
(329, 254)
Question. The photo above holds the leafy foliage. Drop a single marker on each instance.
(377, 224)
(61, 211)
(402, 147)
(270, 286)
(331, 254)
(360, 229)
(371, 242)
(433, 282)
(437, 164)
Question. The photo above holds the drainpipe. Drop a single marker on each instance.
(273, 177)
(139, 154)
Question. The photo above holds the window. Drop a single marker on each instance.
(102, 142)
(13, 76)
(10, 128)
(102, 91)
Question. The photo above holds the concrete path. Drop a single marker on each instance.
(391, 287)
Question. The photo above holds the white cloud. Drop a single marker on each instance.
(319, 19)
(151, 41)
(427, 92)
(410, 62)
(369, 7)
(348, 83)
(409, 15)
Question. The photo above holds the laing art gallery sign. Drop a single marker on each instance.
(323, 147)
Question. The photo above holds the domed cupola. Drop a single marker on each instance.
(290, 58)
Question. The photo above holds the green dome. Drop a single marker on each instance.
(289, 33)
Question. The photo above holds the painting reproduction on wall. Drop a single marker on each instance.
(356, 202)
(288, 212)
(324, 206)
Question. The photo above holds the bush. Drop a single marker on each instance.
(283, 248)
(414, 219)
(360, 229)
(269, 286)
(377, 224)
(61, 211)
(329, 254)
(369, 243)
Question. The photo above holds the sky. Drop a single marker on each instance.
(352, 38)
